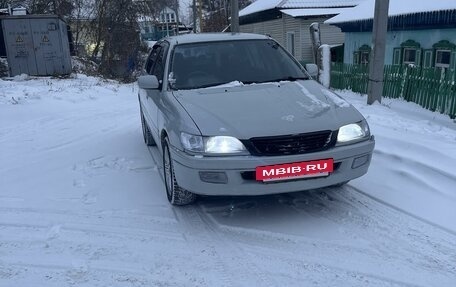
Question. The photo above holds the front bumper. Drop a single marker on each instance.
(237, 168)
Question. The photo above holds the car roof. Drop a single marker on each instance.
(213, 37)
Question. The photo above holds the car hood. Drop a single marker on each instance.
(246, 111)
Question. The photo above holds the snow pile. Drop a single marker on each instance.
(365, 10)
(84, 66)
(22, 89)
(413, 163)
(325, 73)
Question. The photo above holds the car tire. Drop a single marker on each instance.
(176, 194)
(148, 139)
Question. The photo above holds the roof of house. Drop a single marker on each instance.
(300, 12)
(263, 5)
(365, 10)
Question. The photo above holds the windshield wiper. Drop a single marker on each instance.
(205, 86)
(291, 79)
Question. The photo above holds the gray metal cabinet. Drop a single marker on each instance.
(36, 45)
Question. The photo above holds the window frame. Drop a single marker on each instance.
(413, 62)
(440, 65)
(364, 60)
(151, 59)
(291, 36)
(161, 59)
(427, 58)
(356, 58)
(397, 57)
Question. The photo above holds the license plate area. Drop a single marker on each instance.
(296, 170)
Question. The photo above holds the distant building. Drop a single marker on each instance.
(421, 34)
(167, 24)
(17, 10)
(288, 21)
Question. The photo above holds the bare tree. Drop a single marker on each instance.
(217, 14)
(116, 34)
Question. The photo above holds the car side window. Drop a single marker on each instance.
(158, 69)
(152, 59)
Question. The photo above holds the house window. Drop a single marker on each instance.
(442, 58)
(291, 42)
(444, 54)
(362, 55)
(172, 17)
(364, 60)
(146, 29)
(356, 58)
(409, 56)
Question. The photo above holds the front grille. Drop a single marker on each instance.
(291, 144)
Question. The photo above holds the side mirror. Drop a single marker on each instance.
(148, 82)
(312, 69)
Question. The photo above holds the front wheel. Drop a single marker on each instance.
(176, 194)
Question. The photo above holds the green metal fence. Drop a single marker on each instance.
(431, 88)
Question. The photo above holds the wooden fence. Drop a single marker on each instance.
(431, 88)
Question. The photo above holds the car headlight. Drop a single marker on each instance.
(192, 143)
(211, 145)
(223, 144)
(353, 132)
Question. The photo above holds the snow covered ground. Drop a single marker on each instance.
(82, 203)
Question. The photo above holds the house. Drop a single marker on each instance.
(422, 33)
(152, 29)
(288, 21)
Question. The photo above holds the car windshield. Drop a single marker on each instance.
(207, 64)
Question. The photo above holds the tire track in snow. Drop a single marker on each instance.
(449, 231)
(231, 247)
(286, 249)
(195, 231)
(348, 276)
(195, 223)
(103, 247)
(371, 229)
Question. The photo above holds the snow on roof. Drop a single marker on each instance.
(262, 5)
(312, 12)
(319, 3)
(365, 10)
(258, 6)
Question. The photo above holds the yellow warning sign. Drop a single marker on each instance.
(45, 39)
(19, 39)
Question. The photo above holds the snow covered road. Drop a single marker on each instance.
(82, 203)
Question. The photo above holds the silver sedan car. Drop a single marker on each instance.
(236, 114)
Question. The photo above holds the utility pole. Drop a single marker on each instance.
(234, 16)
(194, 16)
(177, 17)
(377, 60)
